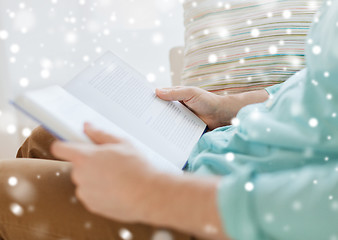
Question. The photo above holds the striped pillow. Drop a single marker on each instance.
(236, 45)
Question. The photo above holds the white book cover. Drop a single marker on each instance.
(117, 99)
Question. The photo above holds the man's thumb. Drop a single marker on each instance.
(174, 94)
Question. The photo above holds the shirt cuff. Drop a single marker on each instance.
(273, 89)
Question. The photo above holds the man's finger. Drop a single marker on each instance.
(71, 152)
(98, 136)
(176, 94)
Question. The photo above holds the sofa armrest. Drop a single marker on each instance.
(176, 56)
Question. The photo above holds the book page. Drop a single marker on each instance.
(124, 96)
(64, 116)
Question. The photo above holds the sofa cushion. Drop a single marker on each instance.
(240, 45)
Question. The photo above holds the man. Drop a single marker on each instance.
(272, 176)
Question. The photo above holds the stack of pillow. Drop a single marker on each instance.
(240, 45)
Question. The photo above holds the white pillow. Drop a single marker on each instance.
(236, 45)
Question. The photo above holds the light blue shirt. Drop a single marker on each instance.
(280, 164)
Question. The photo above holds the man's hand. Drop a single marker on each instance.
(214, 110)
(207, 106)
(113, 180)
(111, 177)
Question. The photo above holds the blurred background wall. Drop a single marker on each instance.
(49, 42)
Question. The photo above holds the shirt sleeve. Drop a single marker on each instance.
(293, 204)
(273, 89)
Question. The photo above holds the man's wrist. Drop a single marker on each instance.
(231, 104)
(143, 200)
(185, 203)
(154, 188)
(227, 109)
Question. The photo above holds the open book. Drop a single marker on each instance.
(117, 99)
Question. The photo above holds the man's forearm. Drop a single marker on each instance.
(186, 203)
(231, 104)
